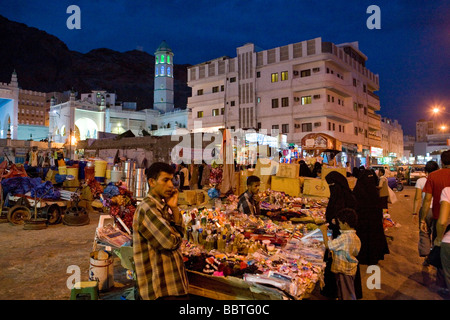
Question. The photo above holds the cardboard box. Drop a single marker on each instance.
(288, 170)
(326, 170)
(316, 187)
(290, 186)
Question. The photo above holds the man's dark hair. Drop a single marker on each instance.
(382, 171)
(445, 158)
(252, 179)
(348, 215)
(156, 168)
(431, 166)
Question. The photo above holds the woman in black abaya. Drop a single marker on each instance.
(370, 219)
(341, 197)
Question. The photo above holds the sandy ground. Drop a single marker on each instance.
(35, 264)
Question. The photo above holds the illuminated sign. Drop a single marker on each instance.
(376, 152)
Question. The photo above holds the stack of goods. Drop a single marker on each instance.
(121, 204)
(95, 186)
(227, 243)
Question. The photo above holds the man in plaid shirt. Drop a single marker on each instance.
(345, 249)
(157, 236)
(248, 202)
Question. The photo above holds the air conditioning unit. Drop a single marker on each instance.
(317, 96)
(295, 73)
(297, 99)
(360, 105)
(361, 130)
(317, 124)
(297, 125)
(316, 69)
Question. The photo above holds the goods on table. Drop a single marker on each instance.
(121, 204)
(255, 249)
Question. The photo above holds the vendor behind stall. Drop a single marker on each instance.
(158, 234)
(248, 201)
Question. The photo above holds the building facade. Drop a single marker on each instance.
(424, 128)
(392, 138)
(306, 87)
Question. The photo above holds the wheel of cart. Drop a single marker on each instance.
(20, 211)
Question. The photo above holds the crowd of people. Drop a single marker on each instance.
(353, 217)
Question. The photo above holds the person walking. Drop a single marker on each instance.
(443, 237)
(370, 219)
(184, 177)
(157, 235)
(436, 182)
(425, 243)
(383, 189)
(341, 197)
(344, 249)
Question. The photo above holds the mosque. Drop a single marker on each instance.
(96, 112)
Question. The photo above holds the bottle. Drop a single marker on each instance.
(221, 243)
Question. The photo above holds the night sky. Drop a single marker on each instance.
(410, 52)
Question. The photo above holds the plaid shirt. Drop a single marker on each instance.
(344, 249)
(247, 204)
(159, 263)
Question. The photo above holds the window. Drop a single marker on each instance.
(275, 127)
(258, 100)
(356, 131)
(306, 99)
(156, 71)
(233, 79)
(162, 70)
(222, 88)
(168, 59)
(329, 98)
(274, 103)
(285, 102)
(200, 114)
(305, 73)
(162, 58)
(306, 127)
(332, 99)
(233, 103)
(355, 106)
(365, 133)
(215, 89)
(364, 88)
(365, 110)
(258, 74)
(259, 125)
(274, 77)
(168, 71)
(328, 70)
(222, 111)
(215, 112)
(334, 127)
(354, 82)
(200, 92)
(284, 75)
(340, 128)
(329, 126)
(285, 128)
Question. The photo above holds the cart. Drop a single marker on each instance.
(22, 208)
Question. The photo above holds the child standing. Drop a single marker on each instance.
(344, 249)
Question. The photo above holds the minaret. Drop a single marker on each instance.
(163, 100)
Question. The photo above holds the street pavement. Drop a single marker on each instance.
(36, 264)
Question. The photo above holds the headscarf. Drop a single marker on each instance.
(317, 169)
(341, 195)
(304, 169)
(365, 191)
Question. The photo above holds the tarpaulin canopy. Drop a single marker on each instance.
(24, 185)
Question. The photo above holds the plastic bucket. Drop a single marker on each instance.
(62, 170)
(102, 271)
(72, 171)
(116, 175)
(100, 169)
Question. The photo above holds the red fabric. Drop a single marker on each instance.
(437, 181)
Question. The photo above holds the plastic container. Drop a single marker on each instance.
(102, 270)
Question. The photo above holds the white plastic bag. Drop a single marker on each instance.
(392, 197)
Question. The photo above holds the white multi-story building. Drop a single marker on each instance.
(391, 138)
(301, 88)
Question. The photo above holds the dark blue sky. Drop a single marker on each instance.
(410, 52)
